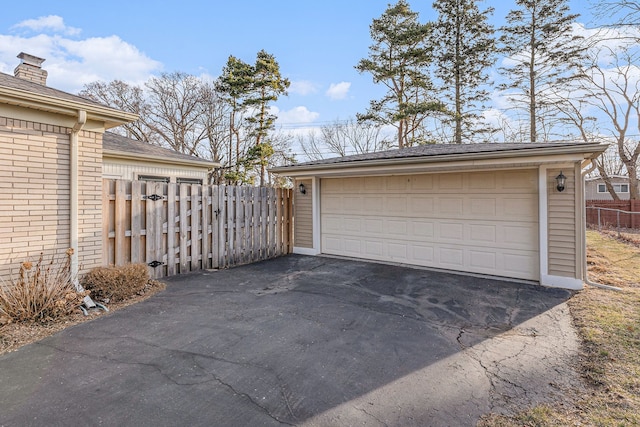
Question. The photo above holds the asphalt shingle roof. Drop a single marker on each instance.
(433, 150)
(115, 142)
(13, 82)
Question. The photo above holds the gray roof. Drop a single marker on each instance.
(112, 142)
(439, 152)
(435, 150)
(13, 82)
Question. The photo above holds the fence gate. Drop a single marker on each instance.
(177, 228)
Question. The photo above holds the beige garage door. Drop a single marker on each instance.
(480, 222)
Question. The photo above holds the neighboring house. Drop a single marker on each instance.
(126, 158)
(50, 169)
(491, 209)
(596, 189)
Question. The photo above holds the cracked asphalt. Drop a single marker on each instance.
(309, 341)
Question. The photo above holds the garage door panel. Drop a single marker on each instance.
(450, 231)
(522, 207)
(520, 265)
(373, 204)
(422, 204)
(422, 182)
(450, 206)
(482, 259)
(483, 181)
(352, 225)
(469, 222)
(452, 258)
(374, 248)
(397, 183)
(520, 234)
(374, 183)
(352, 247)
(483, 206)
(331, 224)
(520, 180)
(422, 254)
(480, 233)
(422, 229)
(373, 226)
(395, 205)
(397, 251)
(397, 227)
(450, 181)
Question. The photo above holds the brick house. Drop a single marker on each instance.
(50, 169)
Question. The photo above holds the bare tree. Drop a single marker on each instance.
(343, 138)
(610, 88)
(623, 12)
(176, 101)
(125, 97)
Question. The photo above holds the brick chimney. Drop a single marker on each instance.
(30, 68)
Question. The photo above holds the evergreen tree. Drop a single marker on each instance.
(543, 54)
(464, 48)
(234, 85)
(398, 59)
(267, 84)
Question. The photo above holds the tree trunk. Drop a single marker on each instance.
(532, 89)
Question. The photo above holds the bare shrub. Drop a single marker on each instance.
(116, 283)
(42, 292)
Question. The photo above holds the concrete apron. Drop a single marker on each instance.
(302, 341)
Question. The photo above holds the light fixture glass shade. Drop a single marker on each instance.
(560, 180)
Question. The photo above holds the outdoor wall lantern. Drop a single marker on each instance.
(302, 188)
(560, 179)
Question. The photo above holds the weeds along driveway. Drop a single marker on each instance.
(301, 341)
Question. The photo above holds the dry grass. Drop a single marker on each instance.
(114, 288)
(609, 324)
(116, 283)
(42, 292)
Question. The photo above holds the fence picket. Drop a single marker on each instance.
(191, 227)
(171, 230)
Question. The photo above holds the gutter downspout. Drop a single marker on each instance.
(74, 203)
(584, 243)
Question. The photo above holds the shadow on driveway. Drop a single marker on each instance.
(301, 341)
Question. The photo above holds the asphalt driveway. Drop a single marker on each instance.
(301, 341)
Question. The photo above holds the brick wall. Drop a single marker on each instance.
(34, 194)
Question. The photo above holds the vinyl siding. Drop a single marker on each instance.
(130, 169)
(562, 224)
(303, 215)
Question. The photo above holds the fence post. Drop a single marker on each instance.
(599, 225)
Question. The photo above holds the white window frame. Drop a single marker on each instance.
(618, 188)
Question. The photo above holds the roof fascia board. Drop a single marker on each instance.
(66, 107)
(135, 156)
(536, 156)
(425, 167)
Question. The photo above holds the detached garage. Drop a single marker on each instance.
(492, 209)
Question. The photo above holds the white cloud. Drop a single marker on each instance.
(303, 87)
(296, 115)
(338, 90)
(71, 63)
(53, 23)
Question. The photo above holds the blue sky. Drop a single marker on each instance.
(317, 43)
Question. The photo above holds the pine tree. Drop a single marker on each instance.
(399, 59)
(267, 84)
(543, 54)
(464, 48)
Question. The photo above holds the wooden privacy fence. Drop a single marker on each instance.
(178, 228)
(613, 213)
